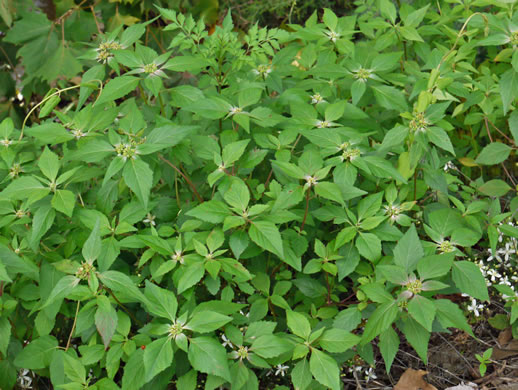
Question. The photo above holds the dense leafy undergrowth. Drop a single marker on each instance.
(226, 209)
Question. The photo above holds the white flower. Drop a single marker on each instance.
(234, 110)
(369, 374)
(152, 69)
(507, 251)
(263, 70)
(281, 370)
(24, 379)
(449, 165)
(474, 307)
(226, 342)
(310, 181)
(493, 256)
(493, 274)
(6, 142)
(332, 35)
(445, 246)
(316, 98)
(322, 124)
(393, 211)
(150, 218)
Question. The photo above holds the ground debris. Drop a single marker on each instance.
(413, 380)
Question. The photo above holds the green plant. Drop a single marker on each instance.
(484, 360)
(229, 207)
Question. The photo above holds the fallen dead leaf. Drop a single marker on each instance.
(507, 350)
(505, 336)
(413, 380)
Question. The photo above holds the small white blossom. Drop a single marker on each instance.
(494, 256)
(332, 35)
(449, 166)
(150, 218)
(263, 70)
(370, 374)
(226, 342)
(281, 369)
(322, 124)
(507, 251)
(235, 110)
(317, 98)
(24, 379)
(493, 275)
(475, 307)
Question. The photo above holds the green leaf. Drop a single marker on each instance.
(37, 354)
(301, 375)
(16, 264)
(165, 137)
(5, 335)
(26, 187)
(335, 111)
(208, 356)
(329, 191)
(64, 201)
(73, 369)
(269, 346)
(336, 340)
(290, 169)
(161, 302)
(92, 246)
(435, 266)
(123, 285)
(192, 275)
(139, 177)
(383, 168)
(422, 310)
(408, 250)
(439, 137)
(117, 88)
(233, 151)
(62, 62)
(41, 223)
(494, 153)
(91, 151)
(267, 236)
(513, 125)
(330, 19)
(134, 372)
(238, 195)
(105, 319)
(325, 369)
(157, 357)
(62, 288)
(212, 211)
(384, 315)
(298, 324)
(390, 98)
(389, 346)
(410, 33)
(469, 279)
(508, 88)
(494, 188)
(31, 26)
(186, 64)
(207, 321)
(94, 73)
(369, 246)
(418, 337)
(49, 164)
